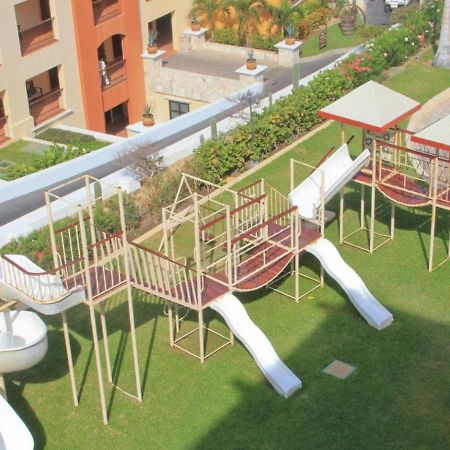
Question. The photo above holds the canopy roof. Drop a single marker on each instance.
(371, 106)
(435, 135)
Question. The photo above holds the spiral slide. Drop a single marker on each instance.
(367, 305)
(284, 381)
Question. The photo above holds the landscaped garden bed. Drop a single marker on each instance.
(65, 145)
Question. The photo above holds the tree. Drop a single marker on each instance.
(247, 12)
(442, 57)
(211, 10)
(284, 14)
(142, 164)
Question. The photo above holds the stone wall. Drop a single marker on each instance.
(205, 88)
(260, 55)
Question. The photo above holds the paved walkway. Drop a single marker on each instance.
(278, 79)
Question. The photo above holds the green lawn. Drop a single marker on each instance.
(397, 398)
(335, 40)
(66, 137)
(14, 153)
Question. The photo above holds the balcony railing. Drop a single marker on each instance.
(3, 120)
(105, 10)
(115, 74)
(46, 106)
(36, 37)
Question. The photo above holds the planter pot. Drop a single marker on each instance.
(148, 121)
(195, 27)
(289, 40)
(348, 24)
(152, 49)
(251, 64)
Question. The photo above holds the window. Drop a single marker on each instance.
(177, 109)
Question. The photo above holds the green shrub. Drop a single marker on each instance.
(226, 36)
(297, 113)
(369, 31)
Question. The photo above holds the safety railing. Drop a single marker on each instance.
(105, 10)
(46, 106)
(36, 37)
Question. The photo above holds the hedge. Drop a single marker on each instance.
(297, 113)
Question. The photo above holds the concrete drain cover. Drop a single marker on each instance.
(339, 369)
(5, 164)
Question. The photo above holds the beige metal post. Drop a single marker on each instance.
(129, 296)
(92, 316)
(434, 178)
(341, 216)
(73, 383)
(297, 256)
(373, 196)
(362, 212)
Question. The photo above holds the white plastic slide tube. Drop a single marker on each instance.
(337, 170)
(284, 381)
(367, 305)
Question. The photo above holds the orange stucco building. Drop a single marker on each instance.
(109, 45)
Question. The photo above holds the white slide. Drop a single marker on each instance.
(279, 375)
(14, 434)
(338, 170)
(367, 305)
(22, 280)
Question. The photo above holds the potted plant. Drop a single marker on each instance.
(195, 22)
(251, 61)
(290, 35)
(147, 117)
(151, 46)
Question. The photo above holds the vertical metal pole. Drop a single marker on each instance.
(297, 232)
(292, 175)
(129, 296)
(201, 335)
(92, 317)
(229, 250)
(3, 387)
(170, 314)
(341, 216)
(73, 383)
(392, 220)
(362, 213)
(105, 341)
(433, 214)
(373, 196)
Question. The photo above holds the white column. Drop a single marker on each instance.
(197, 37)
(251, 76)
(288, 55)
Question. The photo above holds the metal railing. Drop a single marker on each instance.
(46, 106)
(3, 120)
(115, 74)
(36, 37)
(105, 10)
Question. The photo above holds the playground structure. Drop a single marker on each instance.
(90, 265)
(244, 240)
(412, 177)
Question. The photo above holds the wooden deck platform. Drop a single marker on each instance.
(103, 281)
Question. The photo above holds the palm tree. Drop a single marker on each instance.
(284, 14)
(442, 57)
(211, 9)
(247, 12)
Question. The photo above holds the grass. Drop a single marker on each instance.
(14, 154)
(396, 399)
(335, 40)
(66, 137)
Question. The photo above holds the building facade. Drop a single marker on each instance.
(79, 62)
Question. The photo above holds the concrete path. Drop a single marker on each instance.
(13, 209)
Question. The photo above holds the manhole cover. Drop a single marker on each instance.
(5, 164)
(339, 369)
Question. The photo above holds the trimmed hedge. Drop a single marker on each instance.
(297, 113)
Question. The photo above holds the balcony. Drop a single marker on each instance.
(114, 74)
(36, 37)
(44, 106)
(105, 10)
(3, 120)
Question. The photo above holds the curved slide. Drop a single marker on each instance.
(24, 281)
(366, 304)
(337, 171)
(284, 381)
